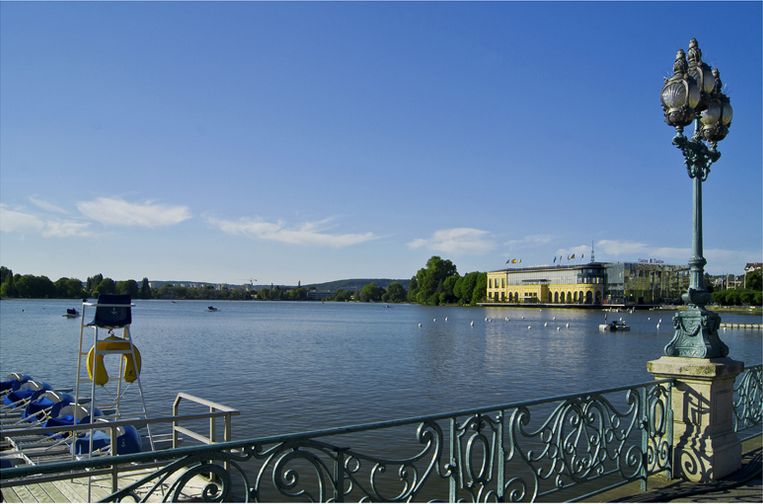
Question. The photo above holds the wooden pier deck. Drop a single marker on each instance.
(53, 491)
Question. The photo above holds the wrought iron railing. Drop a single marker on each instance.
(748, 402)
(563, 448)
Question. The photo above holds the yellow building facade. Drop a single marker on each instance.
(563, 285)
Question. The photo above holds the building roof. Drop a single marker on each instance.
(554, 267)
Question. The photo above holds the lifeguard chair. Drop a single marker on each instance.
(113, 312)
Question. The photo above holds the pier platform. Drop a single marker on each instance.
(745, 485)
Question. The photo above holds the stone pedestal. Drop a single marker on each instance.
(706, 447)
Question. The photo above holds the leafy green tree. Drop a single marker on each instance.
(395, 293)
(446, 294)
(464, 287)
(105, 286)
(145, 289)
(430, 281)
(370, 292)
(413, 290)
(129, 287)
(298, 294)
(343, 295)
(91, 285)
(5, 273)
(31, 286)
(8, 284)
(754, 280)
(480, 289)
(69, 288)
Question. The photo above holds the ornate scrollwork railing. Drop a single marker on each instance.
(748, 400)
(568, 446)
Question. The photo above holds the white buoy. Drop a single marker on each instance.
(419, 324)
(529, 327)
(659, 321)
(649, 318)
(523, 317)
(658, 327)
(558, 328)
(446, 319)
(471, 323)
(554, 318)
(485, 319)
(545, 324)
(434, 320)
(567, 324)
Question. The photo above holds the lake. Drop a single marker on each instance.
(295, 366)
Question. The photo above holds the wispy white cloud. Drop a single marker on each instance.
(23, 222)
(580, 251)
(118, 212)
(307, 233)
(530, 241)
(46, 205)
(621, 247)
(455, 241)
(719, 260)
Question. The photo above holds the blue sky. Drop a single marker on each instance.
(316, 141)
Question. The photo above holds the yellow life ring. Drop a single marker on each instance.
(113, 344)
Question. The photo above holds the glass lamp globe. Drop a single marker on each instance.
(716, 119)
(679, 97)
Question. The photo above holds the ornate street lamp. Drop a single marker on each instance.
(694, 94)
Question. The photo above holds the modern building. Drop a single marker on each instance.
(595, 283)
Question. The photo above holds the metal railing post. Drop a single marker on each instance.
(114, 451)
(644, 420)
(501, 454)
(453, 465)
(339, 475)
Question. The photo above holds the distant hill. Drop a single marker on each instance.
(355, 284)
(351, 284)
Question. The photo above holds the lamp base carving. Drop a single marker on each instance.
(696, 335)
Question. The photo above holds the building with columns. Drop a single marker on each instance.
(594, 283)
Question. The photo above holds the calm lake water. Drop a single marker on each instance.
(301, 366)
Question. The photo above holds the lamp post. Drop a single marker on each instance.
(694, 94)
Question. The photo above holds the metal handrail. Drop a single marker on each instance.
(497, 421)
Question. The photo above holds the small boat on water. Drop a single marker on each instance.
(614, 326)
(212, 308)
(71, 313)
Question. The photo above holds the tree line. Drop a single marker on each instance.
(751, 294)
(437, 283)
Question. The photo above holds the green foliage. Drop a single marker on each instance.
(738, 297)
(439, 283)
(343, 295)
(92, 284)
(395, 293)
(754, 280)
(145, 289)
(480, 289)
(30, 286)
(370, 292)
(69, 288)
(105, 286)
(7, 284)
(428, 286)
(129, 287)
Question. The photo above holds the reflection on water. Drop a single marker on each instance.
(303, 366)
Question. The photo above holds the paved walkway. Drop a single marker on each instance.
(745, 485)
